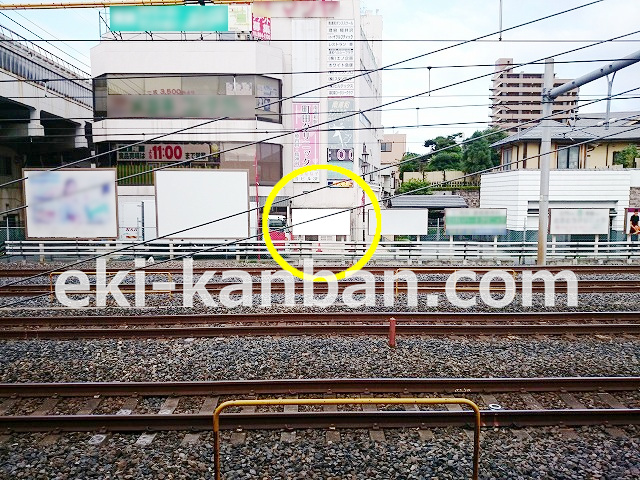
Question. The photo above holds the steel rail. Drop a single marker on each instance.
(376, 270)
(319, 317)
(585, 286)
(296, 420)
(322, 386)
(299, 330)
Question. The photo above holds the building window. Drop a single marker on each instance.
(236, 156)
(569, 157)
(506, 158)
(198, 96)
(385, 146)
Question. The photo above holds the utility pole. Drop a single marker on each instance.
(549, 94)
(545, 150)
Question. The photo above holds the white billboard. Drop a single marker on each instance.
(579, 221)
(475, 221)
(188, 197)
(409, 221)
(336, 224)
(72, 203)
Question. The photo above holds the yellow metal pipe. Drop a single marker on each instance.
(347, 401)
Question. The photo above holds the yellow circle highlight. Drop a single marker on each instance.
(282, 262)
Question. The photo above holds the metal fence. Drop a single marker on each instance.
(521, 252)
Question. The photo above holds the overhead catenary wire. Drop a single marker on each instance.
(129, 76)
(48, 41)
(133, 246)
(279, 135)
(530, 22)
(236, 242)
(138, 244)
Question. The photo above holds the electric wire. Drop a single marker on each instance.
(134, 245)
(504, 66)
(236, 242)
(200, 158)
(351, 78)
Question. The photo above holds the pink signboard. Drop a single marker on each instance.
(306, 143)
(261, 28)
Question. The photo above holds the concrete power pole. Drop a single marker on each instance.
(549, 94)
(545, 162)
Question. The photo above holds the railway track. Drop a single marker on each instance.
(376, 270)
(344, 323)
(584, 286)
(584, 401)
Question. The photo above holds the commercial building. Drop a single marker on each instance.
(234, 94)
(392, 149)
(517, 97)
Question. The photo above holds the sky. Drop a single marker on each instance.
(420, 27)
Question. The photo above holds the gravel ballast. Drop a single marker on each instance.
(505, 454)
(315, 357)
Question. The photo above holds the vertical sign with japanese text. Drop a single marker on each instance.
(306, 141)
(341, 57)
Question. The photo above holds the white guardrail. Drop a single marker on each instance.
(520, 252)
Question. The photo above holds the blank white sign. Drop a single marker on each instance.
(338, 224)
(189, 197)
(579, 221)
(397, 221)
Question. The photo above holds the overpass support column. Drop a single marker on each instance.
(35, 128)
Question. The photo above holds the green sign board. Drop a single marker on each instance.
(475, 221)
(169, 18)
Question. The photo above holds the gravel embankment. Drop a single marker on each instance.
(314, 357)
(505, 454)
(163, 305)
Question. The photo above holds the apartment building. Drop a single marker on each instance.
(516, 97)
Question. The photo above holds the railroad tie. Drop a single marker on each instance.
(572, 402)
(454, 407)
(289, 437)
(87, 409)
(239, 436)
(47, 406)
(207, 408)
(333, 435)
(128, 407)
(613, 402)
(425, 434)
(5, 407)
(167, 408)
(376, 434)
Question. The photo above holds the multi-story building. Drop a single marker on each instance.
(236, 95)
(392, 149)
(517, 97)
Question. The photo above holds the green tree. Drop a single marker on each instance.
(415, 187)
(478, 154)
(412, 166)
(445, 161)
(448, 154)
(626, 157)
